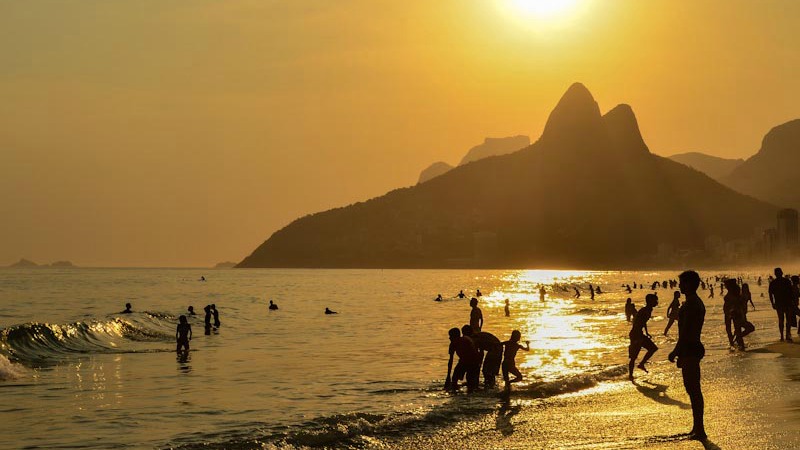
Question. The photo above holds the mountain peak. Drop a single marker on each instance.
(623, 130)
(576, 115)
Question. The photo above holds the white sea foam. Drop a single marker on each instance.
(9, 370)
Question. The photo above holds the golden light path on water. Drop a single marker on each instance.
(564, 339)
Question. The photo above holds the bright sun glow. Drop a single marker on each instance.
(544, 9)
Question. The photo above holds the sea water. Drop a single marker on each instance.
(76, 373)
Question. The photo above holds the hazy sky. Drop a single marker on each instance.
(184, 133)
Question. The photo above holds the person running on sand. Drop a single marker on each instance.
(469, 362)
(781, 297)
(475, 316)
(183, 334)
(640, 337)
(509, 356)
(689, 349)
(672, 311)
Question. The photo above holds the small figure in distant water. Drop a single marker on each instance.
(475, 316)
(634, 285)
(628, 288)
(328, 311)
(183, 334)
(127, 309)
(640, 337)
(207, 319)
(591, 291)
(469, 362)
(191, 311)
(509, 356)
(542, 293)
(781, 296)
(272, 306)
(577, 292)
(202, 278)
(508, 312)
(672, 311)
(597, 290)
(461, 294)
(478, 293)
(438, 298)
(689, 349)
(216, 316)
(630, 309)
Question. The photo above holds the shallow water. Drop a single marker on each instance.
(75, 373)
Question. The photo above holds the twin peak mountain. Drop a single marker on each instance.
(587, 194)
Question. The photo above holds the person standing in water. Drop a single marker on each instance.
(216, 316)
(475, 316)
(780, 295)
(507, 310)
(509, 356)
(672, 311)
(689, 349)
(461, 294)
(542, 293)
(731, 309)
(469, 362)
(207, 319)
(489, 344)
(640, 337)
(478, 293)
(630, 309)
(183, 334)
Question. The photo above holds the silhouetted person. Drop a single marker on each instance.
(628, 288)
(216, 316)
(207, 320)
(711, 288)
(468, 361)
(732, 310)
(475, 316)
(509, 356)
(191, 311)
(672, 311)
(597, 290)
(634, 285)
(202, 278)
(328, 311)
(640, 337)
(438, 298)
(689, 349)
(272, 306)
(183, 334)
(780, 295)
(461, 294)
(478, 293)
(630, 309)
(507, 310)
(127, 309)
(489, 344)
(591, 291)
(795, 299)
(759, 281)
(542, 292)
(577, 292)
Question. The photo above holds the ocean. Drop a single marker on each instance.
(76, 373)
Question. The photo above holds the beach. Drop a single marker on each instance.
(372, 375)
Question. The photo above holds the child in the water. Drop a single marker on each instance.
(509, 354)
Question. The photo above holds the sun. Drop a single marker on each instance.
(544, 9)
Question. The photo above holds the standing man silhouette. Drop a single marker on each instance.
(780, 295)
(689, 349)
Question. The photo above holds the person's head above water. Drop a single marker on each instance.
(651, 300)
(466, 330)
(516, 336)
(191, 308)
(473, 302)
(689, 281)
(454, 333)
(127, 306)
(182, 319)
(778, 272)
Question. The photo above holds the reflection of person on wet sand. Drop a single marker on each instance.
(689, 349)
(640, 337)
(183, 334)
(509, 356)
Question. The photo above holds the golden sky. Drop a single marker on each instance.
(183, 133)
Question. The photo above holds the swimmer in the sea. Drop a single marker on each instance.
(328, 311)
(272, 306)
(127, 309)
(191, 311)
(183, 334)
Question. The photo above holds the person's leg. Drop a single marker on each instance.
(517, 374)
(787, 320)
(728, 321)
(651, 349)
(690, 369)
(669, 325)
(780, 321)
(633, 352)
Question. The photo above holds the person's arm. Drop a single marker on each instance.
(771, 296)
(750, 298)
(447, 381)
(190, 332)
(646, 333)
(177, 332)
(527, 347)
(480, 319)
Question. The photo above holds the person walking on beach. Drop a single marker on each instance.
(183, 334)
(640, 337)
(468, 361)
(689, 349)
(489, 344)
(672, 311)
(780, 295)
(507, 310)
(475, 316)
(732, 310)
(509, 356)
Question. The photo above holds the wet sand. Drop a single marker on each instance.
(752, 402)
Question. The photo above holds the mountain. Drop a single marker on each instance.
(434, 170)
(495, 147)
(225, 265)
(587, 194)
(771, 174)
(490, 147)
(713, 166)
(23, 264)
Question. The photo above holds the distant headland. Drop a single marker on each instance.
(28, 264)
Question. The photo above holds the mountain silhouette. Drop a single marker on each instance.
(434, 170)
(771, 174)
(713, 166)
(587, 194)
